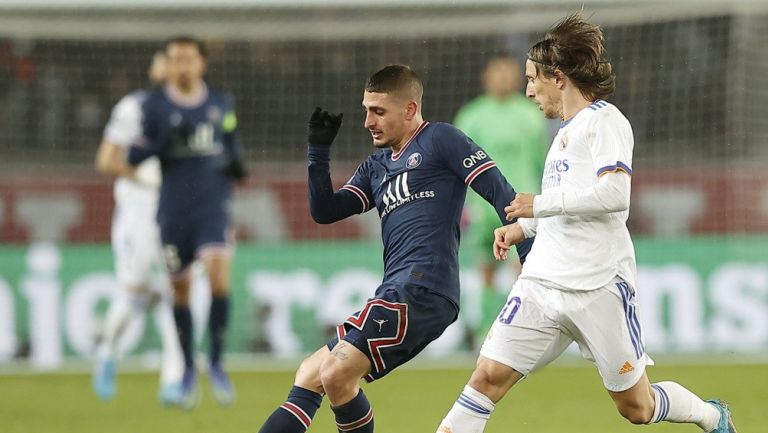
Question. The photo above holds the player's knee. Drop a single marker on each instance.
(493, 379)
(308, 375)
(484, 381)
(334, 376)
(219, 283)
(636, 412)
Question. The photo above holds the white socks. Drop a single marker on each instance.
(172, 368)
(121, 310)
(674, 403)
(469, 414)
(124, 307)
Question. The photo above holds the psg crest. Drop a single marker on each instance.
(414, 160)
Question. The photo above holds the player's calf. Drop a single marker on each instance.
(295, 414)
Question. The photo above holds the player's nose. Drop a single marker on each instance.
(369, 121)
(529, 93)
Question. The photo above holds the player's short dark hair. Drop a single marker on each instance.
(188, 40)
(575, 47)
(396, 78)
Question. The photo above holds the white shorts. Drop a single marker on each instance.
(538, 323)
(136, 247)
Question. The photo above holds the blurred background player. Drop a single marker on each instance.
(510, 128)
(135, 245)
(191, 128)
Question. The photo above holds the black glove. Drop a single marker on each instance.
(235, 169)
(323, 127)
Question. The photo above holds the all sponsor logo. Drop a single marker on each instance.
(398, 193)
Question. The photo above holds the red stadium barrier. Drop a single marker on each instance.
(665, 201)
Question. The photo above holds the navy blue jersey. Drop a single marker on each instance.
(193, 141)
(419, 194)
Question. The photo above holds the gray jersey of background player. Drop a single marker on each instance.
(417, 182)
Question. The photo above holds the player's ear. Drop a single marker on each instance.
(411, 110)
(559, 79)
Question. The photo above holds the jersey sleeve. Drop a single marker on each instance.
(150, 143)
(360, 185)
(612, 145)
(229, 129)
(460, 154)
(124, 126)
(327, 206)
(611, 150)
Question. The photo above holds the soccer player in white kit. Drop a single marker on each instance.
(136, 248)
(578, 283)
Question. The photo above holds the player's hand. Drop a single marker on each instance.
(503, 239)
(323, 127)
(236, 170)
(520, 207)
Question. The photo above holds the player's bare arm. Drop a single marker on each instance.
(111, 161)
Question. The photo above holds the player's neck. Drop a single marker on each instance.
(573, 102)
(191, 90)
(190, 95)
(413, 127)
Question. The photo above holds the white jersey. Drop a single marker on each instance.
(584, 252)
(124, 129)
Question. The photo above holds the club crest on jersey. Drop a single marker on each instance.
(414, 160)
(176, 118)
(563, 142)
(214, 113)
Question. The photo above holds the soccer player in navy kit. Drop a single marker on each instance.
(192, 129)
(417, 183)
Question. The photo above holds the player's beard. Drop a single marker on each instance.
(552, 109)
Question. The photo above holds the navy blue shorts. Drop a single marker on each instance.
(395, 325)
(183, 240)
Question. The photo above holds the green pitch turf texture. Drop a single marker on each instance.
(555, 400)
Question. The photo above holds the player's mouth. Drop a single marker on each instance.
(376, 134)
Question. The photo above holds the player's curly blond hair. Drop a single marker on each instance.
(575, 47)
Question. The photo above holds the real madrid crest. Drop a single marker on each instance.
(563, 142)
(413, 161)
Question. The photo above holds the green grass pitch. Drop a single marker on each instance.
(556, 400)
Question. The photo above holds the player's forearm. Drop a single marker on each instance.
(111, 161)
(117, 169)
(325, 205)
(494, 188)
(610, 194)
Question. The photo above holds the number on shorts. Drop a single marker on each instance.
(509, 310)
(172, 260)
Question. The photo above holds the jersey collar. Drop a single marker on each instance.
(398, 154)
(187, 101)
